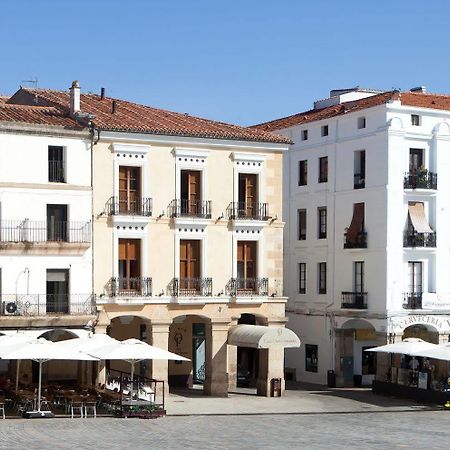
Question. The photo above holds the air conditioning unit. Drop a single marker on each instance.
(10, 308)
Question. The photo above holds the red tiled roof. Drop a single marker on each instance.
(39, 115)
(415, 99)
(4, 98)
(327, 112)
(133, 117)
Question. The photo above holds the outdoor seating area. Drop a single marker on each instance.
(123, 394)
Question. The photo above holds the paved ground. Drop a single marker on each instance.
(305, 418)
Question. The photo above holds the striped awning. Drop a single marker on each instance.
(418, 219)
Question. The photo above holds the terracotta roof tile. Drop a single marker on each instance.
(38, 115)
(133, 117)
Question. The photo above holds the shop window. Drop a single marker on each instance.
(311, 357)
(369, 361)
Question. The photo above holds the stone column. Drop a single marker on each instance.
(216, 382)
(160, 367)
(271, 365)
(101, 368)
(232, 364)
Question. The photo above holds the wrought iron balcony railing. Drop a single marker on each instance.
(30, 231)
(47, 304)
(129, 207)
(56, 172)
(412, 300)
(359, 181)
(413, 239)
(354, 300)
(420, 179)
(248, 211)
(130, 287)
(190, 287)
(359, 242)
(247, 287)
(190, 208)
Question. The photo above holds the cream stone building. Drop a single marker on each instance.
(187, 241)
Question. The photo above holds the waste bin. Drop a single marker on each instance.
(275, 387)
(357, 380)
(331, 378)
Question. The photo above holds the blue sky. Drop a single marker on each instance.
(241, 61)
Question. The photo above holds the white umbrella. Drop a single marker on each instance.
(87, 343)
(408, 346)
(437, 352)
(41, 350)
(133, 351)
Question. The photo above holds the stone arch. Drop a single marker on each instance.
(395, 123)
(424, 331)
(442, 128)
(357, 324)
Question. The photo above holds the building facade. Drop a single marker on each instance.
(188, 237)
(367, 228)
(45, 221)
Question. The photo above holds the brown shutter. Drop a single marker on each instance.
(357, 224)
(246, 259)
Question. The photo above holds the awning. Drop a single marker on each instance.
(418, 218)
(357, 223)
(257, 336)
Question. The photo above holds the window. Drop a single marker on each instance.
(57, 223)
(324, 130)
(415, 277)
(129, 189)
(415, 120)
(303, 173)
(322, 221)
(361, 123)
(358, 277)
(302, 278)
(359, 169)
(56, 170)
(322, 271)
(301, 224)
(57, 295)
(311, 357)
(191, 192)
(304, 135)
(190, 266)
(355, 235)
(323, 169)
(416, 160)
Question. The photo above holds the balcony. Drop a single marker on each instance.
(130, 287)
(247, 287)
(248, 211)
(414, 239)
(190, 208)
(28, 232)
(136, 207)
(420, 180)
(360, 241)
(47, 304)
(190, 287)
(412, 300)
(354, 300)
(359, 181)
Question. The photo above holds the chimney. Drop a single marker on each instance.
(419, 89)
(102, 93)
(114, 106)
(74, 98)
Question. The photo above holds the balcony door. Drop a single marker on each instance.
(416, 159)
(57, 291)
(415, 277)
(248, 194)
(190, 271)
(190, 192)
(246, 265)
(57, 223)
(129, 264)
(129, 189)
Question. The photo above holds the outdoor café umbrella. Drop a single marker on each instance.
(133, 351)
(441, 351)
(41, 350)
(408, 346)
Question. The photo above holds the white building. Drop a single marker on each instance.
(367, 239)
(45, 219)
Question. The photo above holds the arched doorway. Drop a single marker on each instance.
(188, 335)
(354, 365)
(425, 332)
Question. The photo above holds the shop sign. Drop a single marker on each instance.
(365, 335)
(440, 323)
